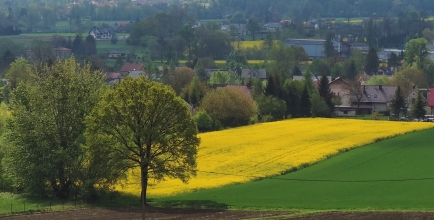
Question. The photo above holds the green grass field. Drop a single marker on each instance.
(395, 174)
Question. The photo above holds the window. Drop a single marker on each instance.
(345, 112)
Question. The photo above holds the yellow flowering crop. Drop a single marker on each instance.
(243, 154)
(248, 61)
(247, 44)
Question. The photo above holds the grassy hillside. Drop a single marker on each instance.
(247, 153)
(395, 174)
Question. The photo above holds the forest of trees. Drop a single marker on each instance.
(28, 14)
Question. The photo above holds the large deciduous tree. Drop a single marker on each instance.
(179, 78)
(46, 130)
(253, 27)
(231, 106)
(149, 127)
(415, 52)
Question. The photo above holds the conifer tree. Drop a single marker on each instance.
(305, 104)
(325, 92)
(328, 47)
(418, 109)
(273, 86)
(296, 71)
(398, 102)
(372, 62)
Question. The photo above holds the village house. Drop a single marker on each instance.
(382, 70)
(339, 88)
(62, 53)
(102, 33)
(113, 77)
(120, 25)
(273, 26)
(132, 69)
(376, 97)
(113, 54)
(247, 74)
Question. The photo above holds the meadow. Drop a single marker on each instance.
(264, 150)
(394, 174)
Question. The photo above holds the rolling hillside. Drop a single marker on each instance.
(253, 152)
(394, 174)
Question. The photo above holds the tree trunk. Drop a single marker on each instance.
(144, 178)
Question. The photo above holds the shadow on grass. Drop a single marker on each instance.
(192, 204)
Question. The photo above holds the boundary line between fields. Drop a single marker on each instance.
(321, 180)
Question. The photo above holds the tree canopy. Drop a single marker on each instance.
(149, 127)
(46, 130)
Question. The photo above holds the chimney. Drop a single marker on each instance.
(380, 87)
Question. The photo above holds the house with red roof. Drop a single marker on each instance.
(128, 67)
(431, 100)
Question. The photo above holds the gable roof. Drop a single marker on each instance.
(387, 70)
(127, 67)
(378, 93)
(337, 80)
(61, 49)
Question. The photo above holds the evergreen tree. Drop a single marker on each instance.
(268, 42)
(325, 92)
(291, 98)
(308, 82)
(8, 58)
(351, 69)
(296, 71)
(253, 27)
(418, 109)
(398, 102)
(305, 104)
(201, 72)
(90, 45)
(329, 50)
(77, 46)
(273, 86)
(372, 62)
(393, 60)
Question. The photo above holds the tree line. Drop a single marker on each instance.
(66, 133)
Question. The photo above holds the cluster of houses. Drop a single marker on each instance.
(373, 97)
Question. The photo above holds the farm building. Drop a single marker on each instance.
(315, 47)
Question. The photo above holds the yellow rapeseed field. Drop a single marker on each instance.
(247, 44)
(243, 154)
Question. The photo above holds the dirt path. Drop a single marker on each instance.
(165, 213)
(154, 213)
